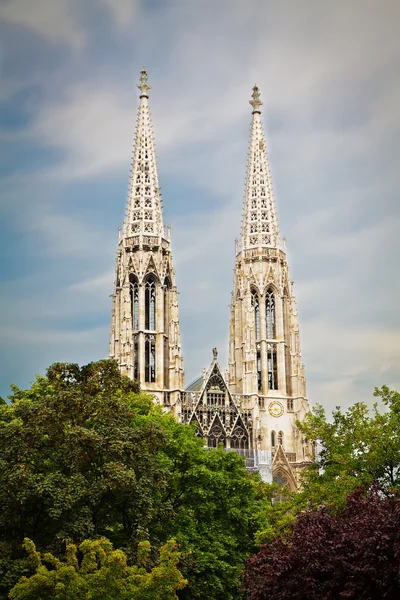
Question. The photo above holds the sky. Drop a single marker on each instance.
(329, 75)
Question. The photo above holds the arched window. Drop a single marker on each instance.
(150, 358)
(166, 292)
(136, 357)
(256, 306)
(239, 439)
(134, 296)
(150, 303)
(272, 439)
(280, 438)
(259, 372)
(272, 364)
(270, 314)
(216, 436)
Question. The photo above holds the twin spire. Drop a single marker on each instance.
(144, 211)
(144, 208)
(260, 225)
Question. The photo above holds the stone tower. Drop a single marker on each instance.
(265, 366)
(145, 330)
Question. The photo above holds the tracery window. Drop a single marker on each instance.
(216, 437)
(270, 314)
(290, 404)
(239, 438)
(150, 358)
(280, 438)
(134, 297)
(150, 303)
(272, 367)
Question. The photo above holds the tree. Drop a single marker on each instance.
(353, 554)
(73, 467)
(357, 447)
(100, 573)
(213, 506)
(84, 455)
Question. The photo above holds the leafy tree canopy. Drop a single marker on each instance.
(84, 454)
(356, 448)
(352, 554)
(100, 573)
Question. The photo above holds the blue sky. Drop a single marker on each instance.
(329, 75)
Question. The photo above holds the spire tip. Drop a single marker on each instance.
(255, 99)
(143, 85)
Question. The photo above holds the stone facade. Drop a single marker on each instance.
(252, 409)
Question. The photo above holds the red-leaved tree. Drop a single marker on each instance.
(354, 554)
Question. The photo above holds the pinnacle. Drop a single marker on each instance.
(255, 99)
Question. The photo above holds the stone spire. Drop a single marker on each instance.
(145, 329)
(260, 225)
(144, 211)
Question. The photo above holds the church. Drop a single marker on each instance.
(252, 407)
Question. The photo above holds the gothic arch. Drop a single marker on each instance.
(270, 313)
(283, 479)
(273, 439)
(216, 434)
(239, 438)
(134, 300)
(150, 297)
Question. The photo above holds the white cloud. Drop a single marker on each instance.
(326, 77)
(55, 20)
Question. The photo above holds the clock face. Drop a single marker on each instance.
(275, 409)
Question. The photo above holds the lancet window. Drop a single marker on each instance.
(134, 297)
(273, 438)
(270, 314)
(150, 358)
(272, 367)
(259, 373)
(150, 303)
(166, 292)
(166, 363)
(215, 399)
(256, 306)
(136, 357)
(280, 438)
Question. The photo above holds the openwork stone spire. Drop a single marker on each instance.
(145, 329)
(144, 211)
(260, 225)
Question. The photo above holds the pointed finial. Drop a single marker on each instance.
(255, 99)
(143, 85)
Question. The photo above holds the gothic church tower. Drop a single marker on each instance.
(264, 347)
(145, 330)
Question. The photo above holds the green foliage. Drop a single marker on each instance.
(84, 455)
(100, 573)
(213, 505)
(356, 448)
(72, 466)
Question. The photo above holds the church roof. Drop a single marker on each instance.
(195, 385)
